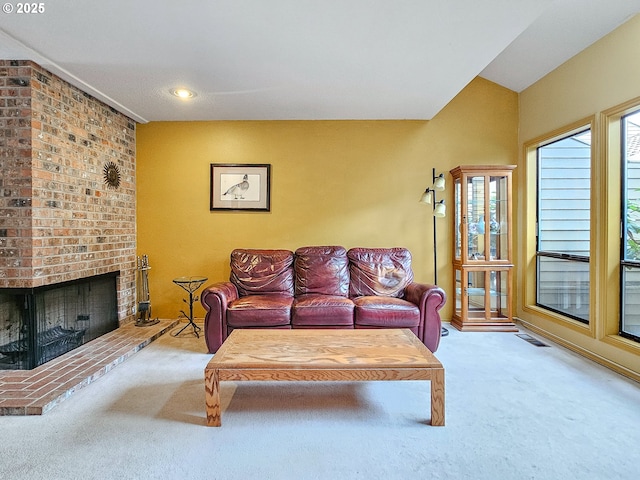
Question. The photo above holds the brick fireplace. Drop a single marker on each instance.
(60, 221)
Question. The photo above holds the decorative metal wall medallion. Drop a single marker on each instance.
(111, 175)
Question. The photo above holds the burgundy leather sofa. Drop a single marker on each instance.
(322, 287)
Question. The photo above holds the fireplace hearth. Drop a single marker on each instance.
(40, 324)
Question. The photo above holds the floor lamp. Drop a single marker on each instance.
(429, 197)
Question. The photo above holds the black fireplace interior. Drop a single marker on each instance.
(40, 324)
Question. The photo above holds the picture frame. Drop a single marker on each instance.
(237, 186)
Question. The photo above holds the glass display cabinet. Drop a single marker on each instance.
(482, 255)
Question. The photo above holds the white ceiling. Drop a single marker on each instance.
(301, 59)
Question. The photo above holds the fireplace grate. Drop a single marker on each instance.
(51, 344)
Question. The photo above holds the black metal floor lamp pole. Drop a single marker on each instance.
(435, 253)
(429, 197)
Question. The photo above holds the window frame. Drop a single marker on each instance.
(605, 241)
(624, 262)
(569, 257)
(528, 205)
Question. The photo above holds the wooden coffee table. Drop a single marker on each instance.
(323, 355)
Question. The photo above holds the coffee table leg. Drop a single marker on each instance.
(437, 398)
(212, 397)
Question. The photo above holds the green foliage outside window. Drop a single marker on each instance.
(633, 231)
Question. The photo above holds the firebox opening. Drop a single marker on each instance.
(40, 324)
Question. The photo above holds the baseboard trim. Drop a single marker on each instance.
(616, 367)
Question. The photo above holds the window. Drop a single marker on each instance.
(563, 225)
(630, 251)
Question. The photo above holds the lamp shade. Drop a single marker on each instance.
(438, 182)
(426, 197)
(440, 209)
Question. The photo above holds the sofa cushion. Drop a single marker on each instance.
(388, 312)
(323, 270)
(260, 310)
(379, 271)
(321, 310)
(262, 271)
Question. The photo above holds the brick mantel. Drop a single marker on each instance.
(59, 221)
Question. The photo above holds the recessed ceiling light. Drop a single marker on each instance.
(183, 93)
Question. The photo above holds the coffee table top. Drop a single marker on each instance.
(323, 348)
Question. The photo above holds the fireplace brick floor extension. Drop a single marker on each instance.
(34, 392)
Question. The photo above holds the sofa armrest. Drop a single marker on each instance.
(215, 298)
(429, 299)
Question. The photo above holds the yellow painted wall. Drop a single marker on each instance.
(603, 76)
(349, 183)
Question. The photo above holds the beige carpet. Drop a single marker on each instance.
(514, 411)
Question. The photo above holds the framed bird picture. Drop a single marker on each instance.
(237, 186)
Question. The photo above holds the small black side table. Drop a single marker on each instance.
(190, 285)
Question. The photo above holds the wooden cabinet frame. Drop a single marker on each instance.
(482, 248)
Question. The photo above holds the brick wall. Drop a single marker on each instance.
(59, 220)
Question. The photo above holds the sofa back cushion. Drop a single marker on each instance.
(321, 270)
(379, 271)
(256, 272)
